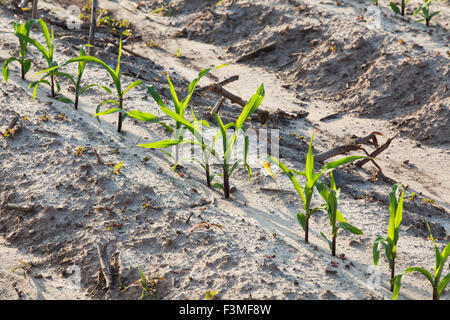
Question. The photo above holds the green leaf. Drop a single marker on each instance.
(397, 284)
(5, 67)
(173, 93)
(156, 96)
(376, 250)
(330, 244)
(26, 66)
(161, 144)
(95, 85)
(443, 284)
(302, 220)
(250, 107)
(349, 227)
(66, 100)
(395, 8)
(131, 86)
(291, 177)
(142, 116)
(426, 273)
(109, 111)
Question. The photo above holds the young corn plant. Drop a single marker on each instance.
(46, 53)
(228, 143)
(424, 12)
(148, 286)
(402, 8)
(306, 194)
(228, 166)
(115, 76)
(79, 89)
(337, 220)
(390, 243)
(435, 280)
(25, 64)
(181, 125)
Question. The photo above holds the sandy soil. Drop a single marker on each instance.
(56, 207)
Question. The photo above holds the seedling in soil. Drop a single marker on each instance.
(60, 117)
(115, 75)
(24, 266)
(398, 10)
(390, 243)
(435, 280)
(206, 225)
(209, 295)
(8, 133)
(25, 64)
(79, 90)
(47, 54)
(412, 197)
(118, 168)
(44, 118)
(114, 225)
(229, 143)
(148, 285)
(178, 54)
(424, 12)
(337, 220)
(307, 192)
(79, 151)
(181, 124)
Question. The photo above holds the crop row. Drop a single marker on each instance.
(182, 125)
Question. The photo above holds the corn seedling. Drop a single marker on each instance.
(390, 243)
(206, 225)
(424, 12)
(228, 143)
(115, 75)
(435, 280)
(306, 194)
(337, 220)
(46, 53)
(118, 168)
(25, 64)
(79, 151)
(24, 266)
(79, 90)
(398, 10)
(148, 286)
(181, 123)
(209, 295)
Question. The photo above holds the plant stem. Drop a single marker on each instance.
(435, 293)
(119, 124)
(23, 71)
(333, 246)
(392, 273)
(53, 86)
(208, 182)
(76, 100)
(226, 183)
(307, 229)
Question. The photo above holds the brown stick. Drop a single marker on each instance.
(99, 160)
(92, 28)
(62, 24)
(355, 145)
(104, 267)
(216, 109)
(123, 48)
(267, 48)
(221, 83)
(379, 150)
(34, 9)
